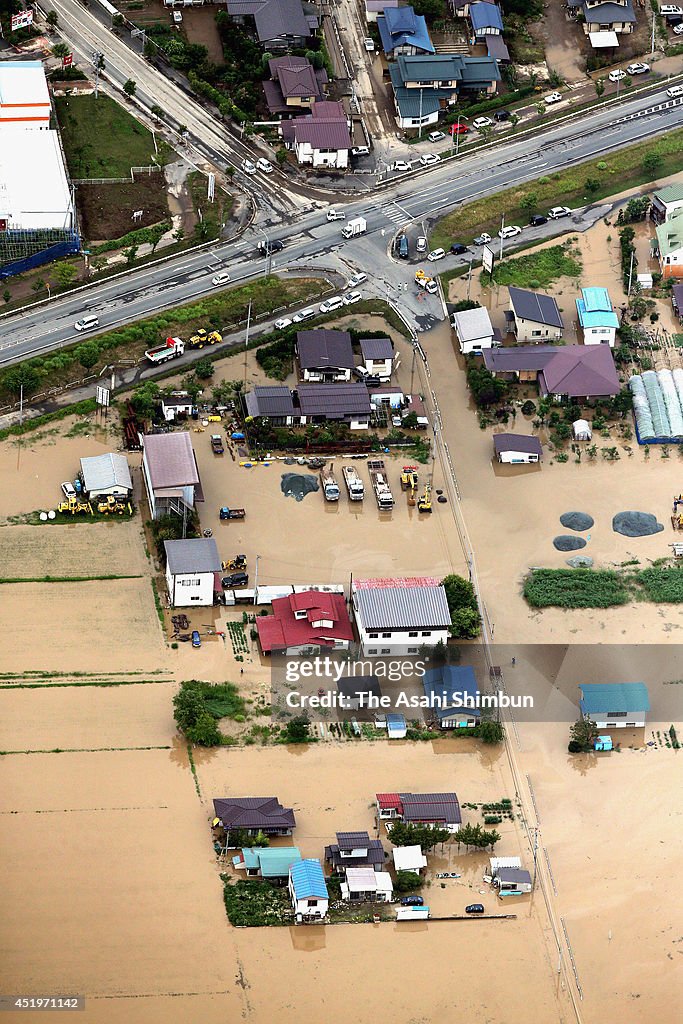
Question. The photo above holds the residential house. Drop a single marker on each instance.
(666, 202)
(604, 21)
(324, 357)
(486, 20)
(334, 403)
(355, 849)
(460, 8)
(309, 620)
(254, 814)
(373, 8)
(669, 247)
(615, 705)
(415, 404)
(308, 891)
(294, 85)
(533, 316)
(388, 395)
(512, 881)
(377, 356)
(177, 406)
(442, 809)
(169, 470)
(363, 885)
(572, 372)
(425, 86)
(598, 320)
(517, 449)
(279, 24)
(453, 693)
(474, 330)
(400, 615)
(103, 475)
(403, 32)
(321, 138)
(409, 858)
(193, 572)
(274, 402)
(677, 300)
(358, 691)
(271, 863)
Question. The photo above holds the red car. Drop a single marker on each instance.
(458, 128)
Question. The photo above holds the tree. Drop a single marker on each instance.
(204, 369)
(465, 624)
(260, 839)
(599, 84)
(145, 399)
(130, 87)
(514, 120)
(205, 731)
(117, 21)
(192, 386)
(7, 295)
(540, 107)
(156, 111)
(529, 202)
(592, 185)
(426, 836)
(51, 19)
(486, 389)
(582, 735)
(281, 155)
(475, 835)
(38, 285)
(24, 375)
(64, 273)
(155, 234)
(459, 592)
(131, 254)
(60, 50)
(296, 730)
(87, 355)
(188, 705)
(652, 163)
(230, 170)
(491, 731)
(407, 881)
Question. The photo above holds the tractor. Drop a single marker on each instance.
(236, 564)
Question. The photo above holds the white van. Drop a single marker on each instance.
(87, 323)
(336, 215)
(675, 90)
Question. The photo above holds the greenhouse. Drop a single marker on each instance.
(658, 406)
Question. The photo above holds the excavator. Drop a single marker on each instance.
(74, 506)
(202, 338)
(110, 504)
(409, 482)
(424, 502)
(236, 564)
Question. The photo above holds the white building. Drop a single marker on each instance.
(615, 705)
(363, 885)
(377, 355)
(398, 616)
(193, 570)
(24, 96)
(106, 474)
(474, 330)
(596, 314)
(409, 858)
(517, 448)
(34, 189)
(308, 891)
(534, 316)
(176, 406)
(169, 469)
(321, 138)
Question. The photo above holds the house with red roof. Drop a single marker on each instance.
(301, 621)
(321, 138)
(438, 809)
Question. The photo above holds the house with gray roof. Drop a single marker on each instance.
(517, 449)
(377, 356)
(425, 86)
(334, 403)
(193, 572)
(533, 316)
(321, 138)
(294, 85)
(569, 372)
(355, 849)
(324, 357)
(474, 330)
(604, 22)
(400, 615)
(272, 401)
(105, 475)
(170, 473)
(278, 24)
(254, 814)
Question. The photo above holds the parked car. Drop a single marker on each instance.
(616, 75)
(475, 908)
(559, 211)
(502, 115)
(304, 314)
(421, 244)
(402, 247)
(482, 239)
(177, 17)
(427, 159)
(264, 165)
(401, 165)
(196, 639)
(412, 901)
(436, 254)
(369, 44)
(537, 219)
(665, 9)
(351, 297)
(457, 249)
(674, 90)
(678, 29)
(510, 231)
(329, 305)
(639, 68)
(248, 167)
(458, 128)
(235, 579)
(220, 279)
(68, 489)
(552, 97)
(360, 151)
(482, 122)
(371, 379)
(336, 215)
(357, 279)
(266, 248)
(283, 322)
(436, 136)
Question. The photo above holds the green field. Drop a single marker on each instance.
(601, 588)
(538, 269)
(101, 139)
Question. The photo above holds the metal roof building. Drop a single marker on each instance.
(333, 401)
(308, 879)
(595, 309)
(268, 862)
(106, 474)
(271, 400)
(323, 349)
(606, 697)
(376, 348)
(198, 555)
(402, 607)
(255, 813)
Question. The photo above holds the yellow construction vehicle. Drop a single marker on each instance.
(74, 506)
(423, 280)
(409, 482)
(110, 504)
(424, 502)
(202, 338)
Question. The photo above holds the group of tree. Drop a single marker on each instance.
(582, 736)
(193, 717)
(476, 836)
(486, 389)
(297, 730)
(425, 836)
(462, 604)
(407, 881)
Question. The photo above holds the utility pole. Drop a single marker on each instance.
(502, 228)
(98, 64)
(256, 580)
(653, 32)
(533, 882)
(246, 341)
(412, 368)
(469, 280)
(630, 273)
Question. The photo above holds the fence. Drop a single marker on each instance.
(69, 246)
(150, 169)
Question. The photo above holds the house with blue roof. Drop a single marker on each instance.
(269, 862)
(425, 86)
(450, 688)
(402, 31)
(308, 891)
(485, 19)
(598, 320)
(615, 705)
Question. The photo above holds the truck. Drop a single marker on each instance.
(202, 338)
(329, 485)
(423, 280)
(380, 485)
(231, 513)
(217, 444)
(172, 349)
(356, 226)
(354, 484)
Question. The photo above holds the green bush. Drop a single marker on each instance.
(574, 588)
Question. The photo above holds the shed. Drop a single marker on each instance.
(106, 474)
(496, 863)
(517, 448)
(267, 862)
(396, 727)
(513, 881)
(603, 743)
(409, 858)
(581, 430)
(365, 885)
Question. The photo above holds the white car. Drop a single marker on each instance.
(360, 151)
(248, 167)
(559, 211)
(357, 279)
(482, 239)
(617, 75)
(670, 9)
(369, 44)
(352, 297)
(177, 17)
(482, 122)
(637, 69)
(436, 136)
(552, 97)
(431, 287)
(220, 279)
(436, 254)
(678, 29)
(510, 231)
(264, 165)
(336, 215)
(428, 159)
(331, 304)
(283, 322)
(401, 165)
(305, 314)
(68, 489)
(421, 244)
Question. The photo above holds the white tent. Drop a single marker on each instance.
(581, 430)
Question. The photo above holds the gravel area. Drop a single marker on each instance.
(580, 562)
(636, 524)
(565, 543)
(577, 521)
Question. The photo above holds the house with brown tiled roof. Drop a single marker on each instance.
(321, 138)
(294, 85)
